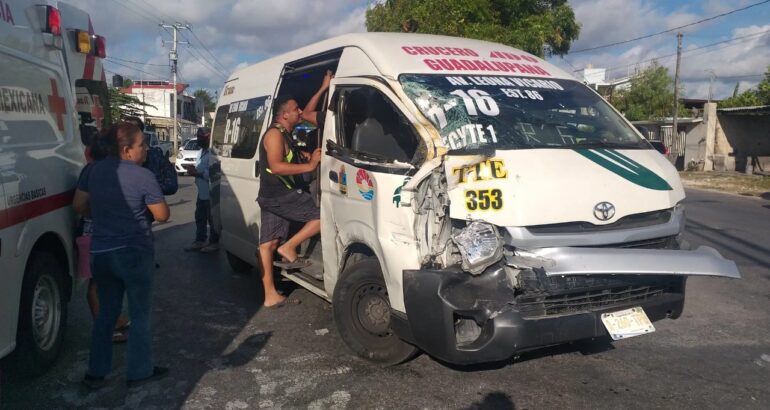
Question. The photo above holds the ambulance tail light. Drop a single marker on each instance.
(101, 47)
(83, 42)
(53, 21)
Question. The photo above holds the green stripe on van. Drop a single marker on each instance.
(626, 168)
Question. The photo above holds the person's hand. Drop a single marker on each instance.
(327, 79)
(315, 157)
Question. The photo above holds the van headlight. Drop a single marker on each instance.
(480, 245)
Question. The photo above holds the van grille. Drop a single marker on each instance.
(565, 296)
(626, 222)
(666, 242)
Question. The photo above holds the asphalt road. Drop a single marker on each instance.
(226, 352)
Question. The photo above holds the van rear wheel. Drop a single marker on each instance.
(42, 315)
(362, 315)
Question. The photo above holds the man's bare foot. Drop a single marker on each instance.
(273, 300)
(287, 252)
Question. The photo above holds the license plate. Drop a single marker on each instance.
(627, 323)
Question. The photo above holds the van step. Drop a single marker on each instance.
(307, 281)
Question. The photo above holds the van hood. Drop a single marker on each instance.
(548, 186)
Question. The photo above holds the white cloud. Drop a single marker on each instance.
(237, 32)
(607, 21)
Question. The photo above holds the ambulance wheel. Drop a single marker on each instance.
(42, 314)
(237, 264)
(362, 315)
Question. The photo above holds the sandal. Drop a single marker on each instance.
(283, 303)
(123, 327)
(299, 263)
(120, 336)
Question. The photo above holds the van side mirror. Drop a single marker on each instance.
(88, 134)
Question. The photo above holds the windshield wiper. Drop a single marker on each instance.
(601, 144)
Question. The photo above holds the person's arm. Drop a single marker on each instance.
(154, 198)
(310, 114)
(201, 168)
(159, 211)
(80, 203)
(274, 146)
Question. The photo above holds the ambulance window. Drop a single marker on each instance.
(238, 126)
(369, 123)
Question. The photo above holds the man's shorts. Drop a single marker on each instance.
(279, 212)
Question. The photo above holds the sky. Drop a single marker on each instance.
(226, 35)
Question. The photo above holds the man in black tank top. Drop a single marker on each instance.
(280, 198)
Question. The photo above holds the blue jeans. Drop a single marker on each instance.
(128, 270)
(202, 218)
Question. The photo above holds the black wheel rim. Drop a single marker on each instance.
(372, 310)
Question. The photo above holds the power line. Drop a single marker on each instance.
(691, 50)
(133, 68)
(670, 30)
(209, 51)
(202, 61)
(137, 62)
(154, 10)
(138, 12)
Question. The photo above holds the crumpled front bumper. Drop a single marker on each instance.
(463, 319)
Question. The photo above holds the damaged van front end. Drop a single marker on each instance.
(547, 220)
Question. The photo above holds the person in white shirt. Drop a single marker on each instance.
(203, 204)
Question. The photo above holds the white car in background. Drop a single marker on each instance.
(189, 154)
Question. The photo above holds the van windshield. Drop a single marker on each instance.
(503, 112)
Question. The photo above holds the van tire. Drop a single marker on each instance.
(362, 315)
(237, 264)
(42, 315)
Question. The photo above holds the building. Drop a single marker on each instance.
(158, 96)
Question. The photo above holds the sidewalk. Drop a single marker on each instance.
(732, 182)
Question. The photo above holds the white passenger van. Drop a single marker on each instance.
(476, 201)
(52, 86)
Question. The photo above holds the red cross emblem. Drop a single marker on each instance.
(56, 105)
(97, 113)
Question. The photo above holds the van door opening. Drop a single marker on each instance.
(301, 80)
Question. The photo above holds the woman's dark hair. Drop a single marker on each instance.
(118, 136)
(136, 121)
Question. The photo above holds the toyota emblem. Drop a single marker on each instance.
(604, 211)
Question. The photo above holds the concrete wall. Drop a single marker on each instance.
(747, 135)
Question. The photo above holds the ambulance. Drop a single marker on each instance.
(52, 87)
(476, 201)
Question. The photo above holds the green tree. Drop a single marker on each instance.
(763, 88)
(651, 95)
(126, 105)
(127, 82)
(751, 97)
(541, 27)
(209, 101)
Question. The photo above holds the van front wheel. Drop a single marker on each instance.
(362, 315)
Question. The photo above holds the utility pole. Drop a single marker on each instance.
(711, 81)
(675, 130)
(172, 55)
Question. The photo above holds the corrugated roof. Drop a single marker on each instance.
(754, 110)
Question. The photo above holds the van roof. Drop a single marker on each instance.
(399, 53)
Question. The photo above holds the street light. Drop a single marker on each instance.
(711, 82)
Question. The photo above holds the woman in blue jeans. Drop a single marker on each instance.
(119, 194)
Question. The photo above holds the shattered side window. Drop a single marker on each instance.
(502, 112)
